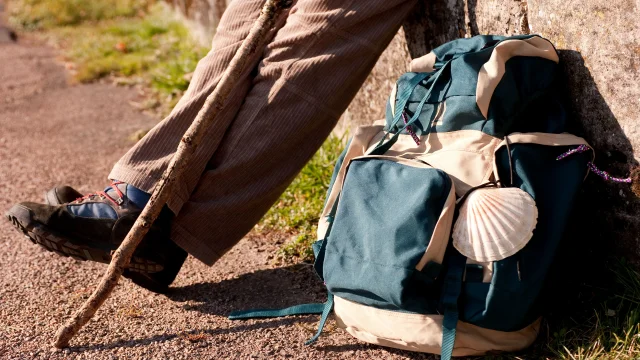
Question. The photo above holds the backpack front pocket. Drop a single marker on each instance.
(390, 231)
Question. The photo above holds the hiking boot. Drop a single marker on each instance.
(61, 195)
(93, 226)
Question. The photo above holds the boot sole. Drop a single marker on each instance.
(39, 234)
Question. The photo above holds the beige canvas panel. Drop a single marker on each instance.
(462, 140)
(424, 63)
(392, 99)
(487, 269)
(548, 139)
(440, 111)
(466, 155)
(399, 160)
(423, 333)
(441, 233)
(492, 71)
(467, 169)
(563, 139)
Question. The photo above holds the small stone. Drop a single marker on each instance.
(7, 36)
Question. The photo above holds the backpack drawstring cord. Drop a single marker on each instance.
(603, 174)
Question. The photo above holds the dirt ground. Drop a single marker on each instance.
(53, 133)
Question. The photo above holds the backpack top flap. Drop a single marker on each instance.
(493, 84)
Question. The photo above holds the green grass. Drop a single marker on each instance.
(298, 209)
(607, 327)
(44, 14)
(136, 42)
(600, 320)
(156, 50)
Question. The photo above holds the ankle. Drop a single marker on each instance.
(138, 197)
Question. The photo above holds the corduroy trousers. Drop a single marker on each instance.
(277, 116)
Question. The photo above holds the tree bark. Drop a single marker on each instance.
(433, 23)
(180, 161)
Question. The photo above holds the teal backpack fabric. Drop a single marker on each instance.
(489, 114)
(382, 273)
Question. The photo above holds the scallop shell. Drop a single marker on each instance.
(494, 223)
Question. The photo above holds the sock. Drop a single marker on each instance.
(138, 197)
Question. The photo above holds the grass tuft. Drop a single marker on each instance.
(156, 48)
(298, 210)
(604, 326)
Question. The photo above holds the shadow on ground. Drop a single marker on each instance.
(271, 288)
(240, 328)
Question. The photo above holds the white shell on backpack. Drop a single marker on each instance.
(494, 223)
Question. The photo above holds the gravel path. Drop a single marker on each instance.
(53, 133)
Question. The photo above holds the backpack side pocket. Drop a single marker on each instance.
(389, 235)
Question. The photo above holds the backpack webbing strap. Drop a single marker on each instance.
(402, 98)
(450, 293)
(328, 306)
(324, 309)
(303, 309)
(383, 146)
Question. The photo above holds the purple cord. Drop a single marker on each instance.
(603, 174)
(410, 129)
(579, 149)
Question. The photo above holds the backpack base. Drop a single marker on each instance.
(423, 333)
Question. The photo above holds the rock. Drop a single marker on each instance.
(369, 104)
(201, 16)
(599, 42)
(497, 17)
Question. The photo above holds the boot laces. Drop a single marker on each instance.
(103, 194)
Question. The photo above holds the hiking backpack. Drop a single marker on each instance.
(441, 223)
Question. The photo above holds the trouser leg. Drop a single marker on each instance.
(143, 165)
(310, 72)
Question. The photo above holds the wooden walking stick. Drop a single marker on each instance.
(180, 161)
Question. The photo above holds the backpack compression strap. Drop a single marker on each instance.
(302, 309)
(450, 293)
(402, 100)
